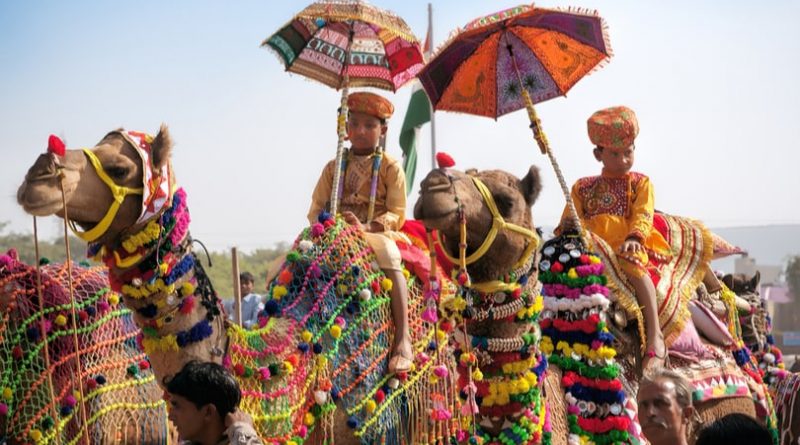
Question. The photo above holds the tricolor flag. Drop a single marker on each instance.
(418, 114)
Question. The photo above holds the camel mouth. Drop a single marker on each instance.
(42, 208)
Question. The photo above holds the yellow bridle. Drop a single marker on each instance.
(498, 223)
(118, 192)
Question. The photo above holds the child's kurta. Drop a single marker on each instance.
(618, 208)
(390, 201)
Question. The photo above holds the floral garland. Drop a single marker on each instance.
(575, 338)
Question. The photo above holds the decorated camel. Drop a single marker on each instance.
(315, 368)
(101, 393)
(756, 332)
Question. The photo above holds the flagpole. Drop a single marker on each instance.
(433, 112)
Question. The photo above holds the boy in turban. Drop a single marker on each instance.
(366, 125)
(618, 206)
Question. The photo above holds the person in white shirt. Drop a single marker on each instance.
(251, 302)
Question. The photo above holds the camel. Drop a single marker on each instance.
(447, 196)
(122, 397)
(756, 331)
(314, 369)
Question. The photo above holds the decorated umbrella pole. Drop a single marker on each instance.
(514, 58)
(344, 44)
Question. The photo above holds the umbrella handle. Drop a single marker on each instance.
(544, 145)
(341, 121)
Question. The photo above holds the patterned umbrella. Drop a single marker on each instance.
(348, 43)
(515, 58)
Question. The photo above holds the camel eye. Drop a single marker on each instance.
(116, 171)
(505, 204)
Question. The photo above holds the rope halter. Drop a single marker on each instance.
(498, 224)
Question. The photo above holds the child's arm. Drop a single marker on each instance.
(322, 193)
(642, 207)
(395, 216)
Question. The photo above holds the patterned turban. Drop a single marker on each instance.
(614, 127)
(371, 104)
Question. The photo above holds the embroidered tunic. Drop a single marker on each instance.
(390, 200)
(618, 208)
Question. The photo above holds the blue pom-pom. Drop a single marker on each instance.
(91, 311)
(320, 22)
(317, 348)
(271, 307)
(462, 394)
(355, 270)
(478, 400)
(335, 394)
(432, 346)
(352, 308)
(66, 410)
(303, 347)
(523, 280)
(148, 311)
(352, 422)
(100, 379)
(33, 333)
(323, 215)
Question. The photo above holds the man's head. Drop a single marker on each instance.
(366, 122)
(246, 283)
(200, 396)
(665, 407)
(734, 428)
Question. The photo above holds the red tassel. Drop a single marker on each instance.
(444, 160)
(56, 146)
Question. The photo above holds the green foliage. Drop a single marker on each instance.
(255, 262)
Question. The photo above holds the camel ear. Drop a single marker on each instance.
(531, 185)
(755, 280)
(728, 281)
(161, 148)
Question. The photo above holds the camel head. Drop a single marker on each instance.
(86, 189)
(446, 193)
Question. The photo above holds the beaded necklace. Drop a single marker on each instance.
(377, 158)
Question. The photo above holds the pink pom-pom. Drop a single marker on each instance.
(265, 374)
(69, 401)
(430, 315)
(340, 321)
(302, 431)
(317, 229)
(3, 410)
(441, 371)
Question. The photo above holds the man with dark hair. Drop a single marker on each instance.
(251, 302)
(665, 407)
(734, 429)
(203, 406)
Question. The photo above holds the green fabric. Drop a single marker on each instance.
(418, 113)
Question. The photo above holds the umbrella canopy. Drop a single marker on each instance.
(349, 43)
(484, 66)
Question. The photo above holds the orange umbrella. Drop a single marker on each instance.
(514, 58)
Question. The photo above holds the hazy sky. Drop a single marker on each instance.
(714, 85)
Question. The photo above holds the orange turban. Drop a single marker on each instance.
(614, 127)
(371, 104)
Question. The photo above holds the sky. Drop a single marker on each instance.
(713, 84)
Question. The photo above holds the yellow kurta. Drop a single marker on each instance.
(618, 208)
(390, 201)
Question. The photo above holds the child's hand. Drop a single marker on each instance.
(351, 218)
(631, 246)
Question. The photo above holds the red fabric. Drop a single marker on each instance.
(416, 229)
(444, 160)
(55, 145)
(659, 224)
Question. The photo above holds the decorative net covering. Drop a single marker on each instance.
(52, 392)
(324, 342)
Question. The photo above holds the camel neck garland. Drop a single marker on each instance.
(156, 268)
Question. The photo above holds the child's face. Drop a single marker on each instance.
(616, 161)
(364, 131)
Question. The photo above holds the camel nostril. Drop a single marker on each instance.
(436, 180)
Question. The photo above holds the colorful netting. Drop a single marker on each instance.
(104, 393)
(577, 340)
(323, 345)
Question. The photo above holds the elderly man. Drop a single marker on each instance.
(665, 407)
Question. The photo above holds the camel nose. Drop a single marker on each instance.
(436, 180)
(44, 167)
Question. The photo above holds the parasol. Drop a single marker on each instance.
(348, 43)
(514, 58)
